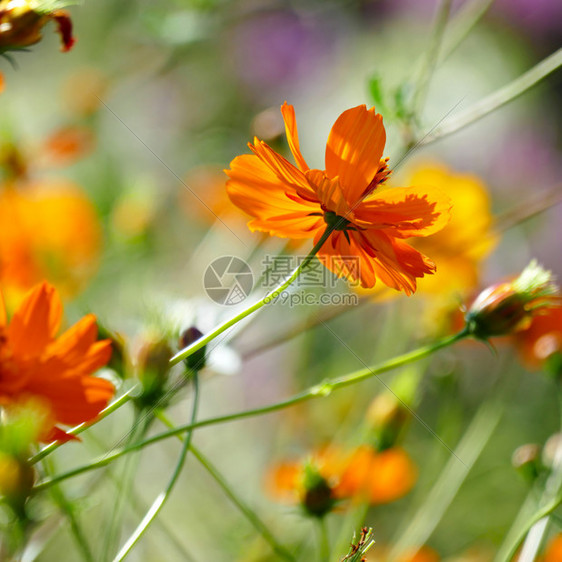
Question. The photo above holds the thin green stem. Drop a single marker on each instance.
(497, 99)
(112, 532)
(163, 497)
(139, 509)
(83, 426)
(245, 509)
(535, 518)
(69, 510)
(430, 60)
(269, 298)
(459, 27)
(318, 391)
(324, 551)
(424, 522)
(533, 534)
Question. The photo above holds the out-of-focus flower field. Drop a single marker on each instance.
(401, 381)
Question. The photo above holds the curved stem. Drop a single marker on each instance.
(69, 510)
(534, 531)
(47, 450)
(318, 391)
(165, 494)
(270, 297)
(497, 99)
(431, 57)
(428, 516)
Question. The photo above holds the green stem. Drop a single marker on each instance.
(83, 426)
(159, 502)
(467, 17)
(318, 391)
(431, 57)
(68, 509)
(535, 529)
(323, 540)
(270, 297)
(139, 509)
(246, 510)
(424, 522)
(540, 514)
(113, 526)
(497, 99)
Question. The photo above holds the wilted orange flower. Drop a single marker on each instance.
(364, 474)
(542, 339)
(49, 231)
(21, 22)
(55, 372)
(370, 222)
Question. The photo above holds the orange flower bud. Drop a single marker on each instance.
(506, 307)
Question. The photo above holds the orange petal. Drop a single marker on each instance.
(276, 206)
(372, 255)
(348, 259)
(410, 211)
(354, 149)
(393, 474)
(329, 193)
(36, 322)
(73, 344)
(288, 113)
(74, 400)
(397, 264)
(3, 314)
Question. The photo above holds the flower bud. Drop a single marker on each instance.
(505, 307)
(526, 460)
(197, 360)
(552, 451)
(153, 366)
(318, 497)
(387, 417)
(21, 22)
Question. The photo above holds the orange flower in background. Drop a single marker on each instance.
(553, 552)
(370, 221)
(21, 23)
(363, 474)
(541, 341)
(54, 372)
(49, 231)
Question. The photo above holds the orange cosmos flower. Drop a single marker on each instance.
(363, 474)
(37, 366)
(370, 222)
(49, 231)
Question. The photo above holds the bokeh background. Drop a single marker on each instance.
(118, 147)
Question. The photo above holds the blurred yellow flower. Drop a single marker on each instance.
(48, 231)
(460, 247)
